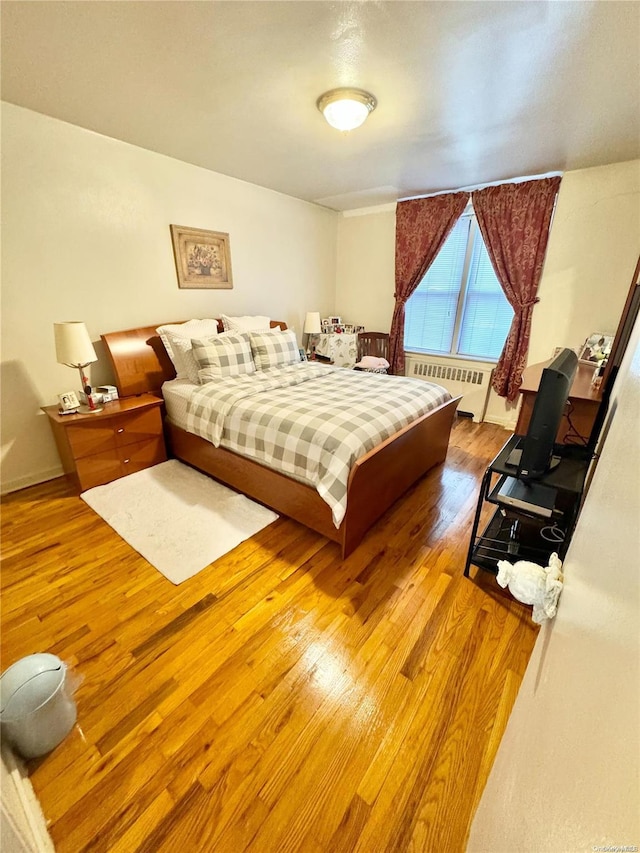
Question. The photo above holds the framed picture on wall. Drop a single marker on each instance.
(203, 258)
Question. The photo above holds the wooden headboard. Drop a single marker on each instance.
(140, 361)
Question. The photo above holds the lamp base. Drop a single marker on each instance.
(85, 410)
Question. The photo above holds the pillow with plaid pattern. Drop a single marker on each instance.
(227, 355)
(274, 349)
(183, 357)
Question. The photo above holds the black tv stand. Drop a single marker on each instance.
(555, 461)
(534, 527)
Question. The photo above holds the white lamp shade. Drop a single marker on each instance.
(312, 323)
(73, 344)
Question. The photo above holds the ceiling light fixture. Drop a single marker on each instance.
(346, 109)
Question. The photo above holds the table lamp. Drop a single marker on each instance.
(311, 325)
(74, 348)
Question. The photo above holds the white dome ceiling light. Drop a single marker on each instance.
(346, 109)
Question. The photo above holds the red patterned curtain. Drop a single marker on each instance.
(514, 221)
(422, 226)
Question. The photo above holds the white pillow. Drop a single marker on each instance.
(186, 367)
(274, 349)
(245, 324)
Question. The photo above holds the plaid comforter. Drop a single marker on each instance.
(309, 421)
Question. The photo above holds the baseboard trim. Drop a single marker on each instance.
(31, 480)
(505, 423)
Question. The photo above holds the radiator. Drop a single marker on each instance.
(471, 380)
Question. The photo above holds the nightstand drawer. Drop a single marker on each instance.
(104, 467)
(137, 426)
(141, 455)
(106, 434)
(98, 469)
(88, 438)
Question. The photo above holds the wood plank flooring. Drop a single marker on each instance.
(282, 699)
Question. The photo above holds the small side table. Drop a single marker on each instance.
(340, 349)
(125, 437)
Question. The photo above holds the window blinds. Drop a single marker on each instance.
(430, 313)
(459, 306)
(486, 314)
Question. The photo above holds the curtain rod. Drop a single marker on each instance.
(473, 187)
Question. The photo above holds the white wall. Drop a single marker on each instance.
(591, 257)
(592, 253)
(85, 224)
(567, 774)
(365, 276)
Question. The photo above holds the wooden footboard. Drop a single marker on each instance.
(379, 478)
(376, 481)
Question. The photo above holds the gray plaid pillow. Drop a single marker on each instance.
(227, 355)
(274, 349)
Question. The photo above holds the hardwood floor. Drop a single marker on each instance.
(280, 700)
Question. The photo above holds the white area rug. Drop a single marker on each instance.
(178, 519)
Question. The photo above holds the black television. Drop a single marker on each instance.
(537, 445)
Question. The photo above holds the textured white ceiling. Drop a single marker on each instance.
(468, 92)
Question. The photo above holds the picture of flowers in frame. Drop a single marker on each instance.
(203, 258)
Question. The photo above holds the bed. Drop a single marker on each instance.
(375, 480)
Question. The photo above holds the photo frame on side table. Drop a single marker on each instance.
(68, 402)
(596, 348)
(203, 258)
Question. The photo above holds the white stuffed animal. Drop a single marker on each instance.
(533, 584)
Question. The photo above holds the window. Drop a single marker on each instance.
(459, 307)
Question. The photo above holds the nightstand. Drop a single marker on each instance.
(126, 436)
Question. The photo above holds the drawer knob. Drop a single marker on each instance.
(126, 461)
(121, 429)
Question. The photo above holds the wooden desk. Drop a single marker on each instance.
(583, 399)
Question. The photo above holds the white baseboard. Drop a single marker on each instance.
(31, 479)
(505, 422)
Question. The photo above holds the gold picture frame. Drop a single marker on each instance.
(203, 258)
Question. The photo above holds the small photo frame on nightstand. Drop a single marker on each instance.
(68, 402)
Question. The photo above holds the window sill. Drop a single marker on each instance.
(451, 356)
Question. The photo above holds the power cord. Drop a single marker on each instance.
(573, 436)
(553, 534)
